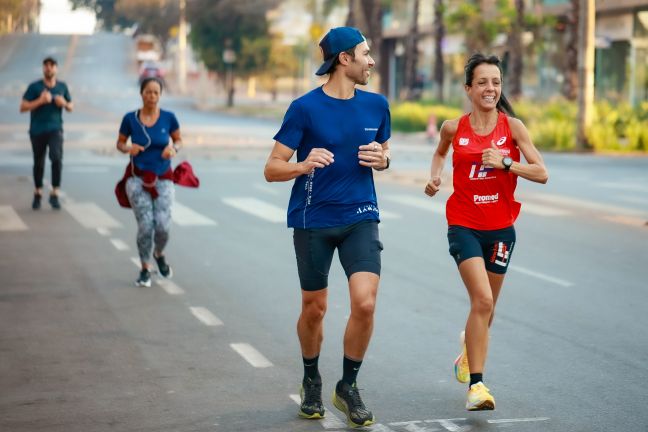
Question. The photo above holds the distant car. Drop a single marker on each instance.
(151, 70)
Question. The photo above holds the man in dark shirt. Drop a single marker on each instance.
(45, 100)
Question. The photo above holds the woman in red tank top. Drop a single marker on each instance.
(481, 211)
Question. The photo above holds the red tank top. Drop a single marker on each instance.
(483, 197)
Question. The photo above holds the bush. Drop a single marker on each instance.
(413, 117)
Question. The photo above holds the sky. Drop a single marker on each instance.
(57, 17)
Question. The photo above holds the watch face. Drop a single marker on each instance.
(507, 161)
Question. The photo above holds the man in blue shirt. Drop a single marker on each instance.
(45, 100)
(340, 135)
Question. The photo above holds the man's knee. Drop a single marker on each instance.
(314, 308)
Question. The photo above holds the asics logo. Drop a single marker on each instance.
(501, 141)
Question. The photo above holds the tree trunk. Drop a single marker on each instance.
(570, 74)
(439, 34)
(585, 71)
(411, 90)
(517, 62)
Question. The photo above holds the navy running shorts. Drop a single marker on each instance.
(358, 248)
(494, 246)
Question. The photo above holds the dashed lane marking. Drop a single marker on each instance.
(119, 244)
(170, 287)
(258, 208)
(542, 276)
(205, 316)
(251, 355)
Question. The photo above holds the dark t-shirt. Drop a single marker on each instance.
(154, 139)
(48, 117)
(343, 192)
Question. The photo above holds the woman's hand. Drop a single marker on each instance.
(135, 149)
(433, 186)
(492, 157)
(168, 152)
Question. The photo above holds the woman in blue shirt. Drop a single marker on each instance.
(150, 187)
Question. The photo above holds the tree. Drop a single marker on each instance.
(366, 15)
(156, 17)
(439, 34)
(516, 54)
(239, 25)
(570, 73)
(411, 82)
(587, 15)
(18, 15)
(105, 12)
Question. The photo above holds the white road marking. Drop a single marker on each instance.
(251, 355)
(258, 208)
(542, 276)
(10, 221)
(543, 210)
(119, 244)
(582, 204)
(518, 420)
(624, 186)
(137, 262)
(184, 216)
(91, 215)
(330, 420)
(103, 231)
(169, 287)
(430, 204)
(266, 188)
(627, 220)
(88, 169)
(205, 316)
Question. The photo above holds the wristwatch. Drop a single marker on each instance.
(176, 148)
(507, 162)
(388, 161)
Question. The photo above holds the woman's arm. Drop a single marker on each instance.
(447, 133)
(534, 170)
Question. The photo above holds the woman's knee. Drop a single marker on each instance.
(483, 305)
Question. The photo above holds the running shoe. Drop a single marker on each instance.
(165, 269)
(54, 202)
(479, 398)
(461, 369)
(36, 202)
(311, 399)
(144, 279)
(347, 399)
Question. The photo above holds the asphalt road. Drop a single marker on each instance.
(214, 349)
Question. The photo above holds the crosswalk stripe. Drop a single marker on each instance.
(430, 204)
(90, 215)
(119, 244)
(330, 421)
(258, 208)
(10, 221)
(184, 216)
(170, 287)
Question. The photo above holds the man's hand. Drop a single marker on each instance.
(372, 155)
(433, 186)
(492, 157)
(46, 97)
(317, 158)
(135, 149)
(60, 101)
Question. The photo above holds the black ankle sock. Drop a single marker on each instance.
(475, 378)
(350, 370)
(310, 367)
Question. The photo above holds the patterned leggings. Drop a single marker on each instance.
(153, 215)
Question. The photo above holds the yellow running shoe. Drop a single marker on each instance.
(479, 398)
(461, 369)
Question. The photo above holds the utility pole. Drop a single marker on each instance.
(587, 17)
(182, 49)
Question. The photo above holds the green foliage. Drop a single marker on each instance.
(239, 23)
(414, 117)
(551, 125)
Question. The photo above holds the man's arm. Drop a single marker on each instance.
(278, 167)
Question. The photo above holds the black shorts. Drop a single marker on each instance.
(495, 246)
(358, 247)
